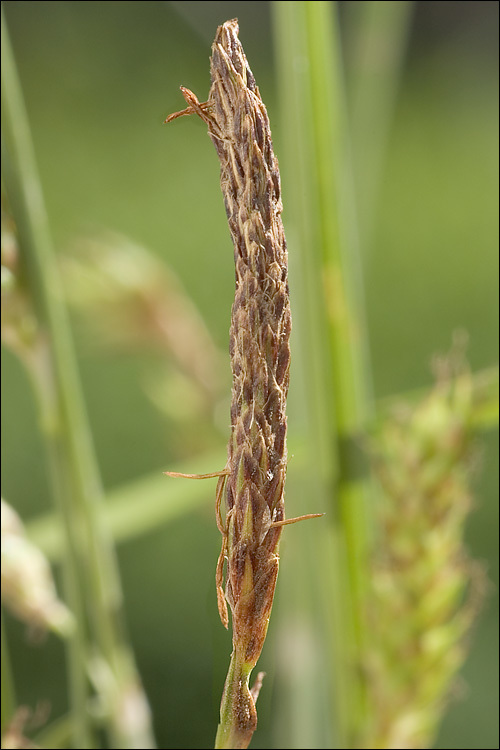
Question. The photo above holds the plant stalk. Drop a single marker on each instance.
(376, 34)
(8, 690)
(328, 293)
(92, 583)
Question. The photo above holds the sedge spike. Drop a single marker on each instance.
(254, 477)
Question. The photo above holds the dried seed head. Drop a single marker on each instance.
(260, 357)
(259, 338)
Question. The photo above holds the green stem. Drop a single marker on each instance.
(351, 384)
(376, 40)
(92, 581)
(8, 690)
(22, 183)
(235, 698)
(328, 310)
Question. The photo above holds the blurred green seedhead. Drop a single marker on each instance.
(425, 590)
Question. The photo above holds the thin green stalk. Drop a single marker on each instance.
(8, 690)
(328, 306)
(92, 578)
(20, 152)
(376, 42)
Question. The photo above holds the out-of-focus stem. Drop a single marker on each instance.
(90, 566)
(376, 39)
(328, 294)
(21, 177)
(8, 692)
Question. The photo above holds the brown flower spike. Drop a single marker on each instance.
(260, 357)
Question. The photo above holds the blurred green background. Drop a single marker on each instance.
(98, 80)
